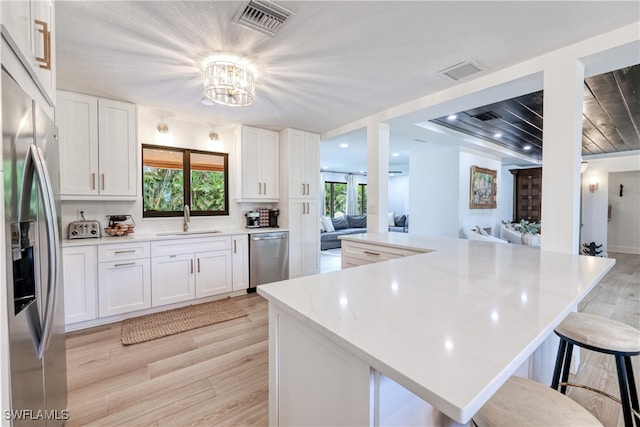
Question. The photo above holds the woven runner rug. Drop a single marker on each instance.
(157, 325)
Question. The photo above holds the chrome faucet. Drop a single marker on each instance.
(187, 218)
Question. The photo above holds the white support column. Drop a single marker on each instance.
(561, 154)
(377, 177)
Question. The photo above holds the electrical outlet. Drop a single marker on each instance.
(80, 212)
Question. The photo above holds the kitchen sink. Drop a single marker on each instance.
(188, 233)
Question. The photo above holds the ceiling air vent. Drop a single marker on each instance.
(486, 116)
(461, 70)
(261, 15)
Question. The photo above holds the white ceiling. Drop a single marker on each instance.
(330, 64)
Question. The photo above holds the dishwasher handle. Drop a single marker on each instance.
(280, 236)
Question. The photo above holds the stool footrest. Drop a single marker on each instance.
(595, 390)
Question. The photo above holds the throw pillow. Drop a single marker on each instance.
(400, 220)
(328, 225)
(392, 219)
(322, 229)
(482, 231)
(357, 221)
(340, 223)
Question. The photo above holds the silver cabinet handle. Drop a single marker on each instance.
(192, 266)
(303, 189)
(235, 246)
(265, 188)
(307, 189)
(198, 265)
(102, 181)
(128, 251)
(93, 181)
(372, 253)
(124, 264)
(259, 188)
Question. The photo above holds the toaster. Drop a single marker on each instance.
(84, 229)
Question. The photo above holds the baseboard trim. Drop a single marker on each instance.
(624, 249)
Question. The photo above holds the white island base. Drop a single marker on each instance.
(313, 381)
(424, 339)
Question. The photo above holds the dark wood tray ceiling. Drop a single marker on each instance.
(611, 117)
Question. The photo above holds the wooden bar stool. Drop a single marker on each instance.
(597, 333)
(521, 402)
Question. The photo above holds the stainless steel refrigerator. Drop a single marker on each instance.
(33, 261)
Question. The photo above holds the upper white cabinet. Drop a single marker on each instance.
(257, 164)
(301, 151)
(28, 27)
(97, 147)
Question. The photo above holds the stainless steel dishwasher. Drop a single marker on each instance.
(268, 258)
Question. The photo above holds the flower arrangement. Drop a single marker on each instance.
(528, 227)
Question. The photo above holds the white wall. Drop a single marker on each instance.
(181, 134)
(595, 205)
(469, 218)
(623, 231)
(433, 192)
(399, 194)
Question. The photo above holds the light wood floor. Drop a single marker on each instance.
(218, 375)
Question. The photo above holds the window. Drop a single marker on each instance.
(165, 190)
(335, 198)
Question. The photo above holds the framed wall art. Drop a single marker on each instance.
(483, 188)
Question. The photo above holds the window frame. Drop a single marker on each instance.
(186, 187)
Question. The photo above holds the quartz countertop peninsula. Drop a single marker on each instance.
(451, 324)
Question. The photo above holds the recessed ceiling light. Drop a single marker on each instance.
(395, 155)
(452, 117)
(497, 135)
(527, 147)
(344, 145)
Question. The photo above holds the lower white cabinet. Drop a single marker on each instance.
(304, 238)
(124, 278)
(189, 268)
(80, 283)
(173, 279)
(213, 273)
(240, 262)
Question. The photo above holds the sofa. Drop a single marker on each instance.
(332, 228)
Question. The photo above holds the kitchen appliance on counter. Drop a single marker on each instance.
(37, 383)
(85, 229)
(120, 225)
(253, 219)
(273, 218)
(268, 258)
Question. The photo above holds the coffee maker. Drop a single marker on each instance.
(253, 219)
(273, 218)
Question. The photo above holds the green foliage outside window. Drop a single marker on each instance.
(207, 191)
(163, 189)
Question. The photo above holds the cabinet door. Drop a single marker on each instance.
(77, 120)
(213, 273)
(311, 171)
(304, 238)
(297, 164)
(117, 143)
(16, 17)
(270, 164)
(43, 45)
(80, 283)
(173, 279)
(311, 241)
(252, 187)
(240, 260)
(123, 286)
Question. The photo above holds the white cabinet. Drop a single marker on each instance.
(359, 253)
(304, 238)
(29, 30)
(301, 155)
(80, 283)
(97, 148)
(189, 268)
(124, 278)
(240, 262)
(257, 164)
(173, 279)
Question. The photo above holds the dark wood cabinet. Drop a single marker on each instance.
(527, 193)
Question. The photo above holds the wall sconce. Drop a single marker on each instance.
(593, 185)
(163, 137)
(216, 144)
(162, 128)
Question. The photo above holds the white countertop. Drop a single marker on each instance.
(450, 325)
(165, 235)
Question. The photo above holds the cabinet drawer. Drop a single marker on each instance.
(190, 245)
(373, 253)
(123, 251)
(348, 262)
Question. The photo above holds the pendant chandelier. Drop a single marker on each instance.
(229, 81)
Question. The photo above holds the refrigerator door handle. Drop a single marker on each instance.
(36, 165)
